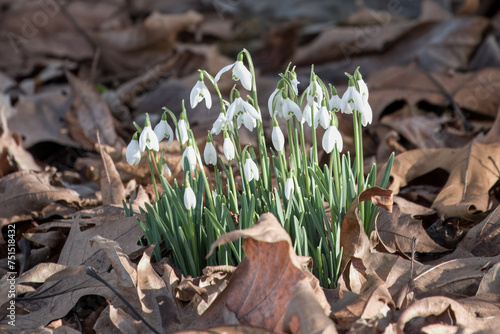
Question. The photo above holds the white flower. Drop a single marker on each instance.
(166, 169)
(314, 91)
(322, 117)
(189, 198)
(210, 154)
(240, 72)
(275, 103)
(240, 106)
(133, 153)
(295, 83)
(249, 122)
(189, 159)
(289, 188)
(163, 130)
(332, 138)
(278, 138)
(290, 108)
(351, 100)
(335, 103)
(228, 149)
(251, 170)
(219, 124)
(148, 139)
(198, 93)
(363, 89)
(306, 114)
(181, 132)
(366, 114)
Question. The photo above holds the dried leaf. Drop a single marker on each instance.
(484, 238)
(112, 188)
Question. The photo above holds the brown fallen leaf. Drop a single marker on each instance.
(264, 281)
(396, 231)
(112, 188)
(472, 173)
(447, 311)
(484, 238)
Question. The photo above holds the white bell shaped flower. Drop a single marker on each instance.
(210, 154)
(181, 133)
(189, 159)
(278, 138)
(363, 89)
(148, 138)
(332, 138)
(189, 198)
(228, 149)
(249, 122)
(240, 106)
(314, 91)
(219, 124)
(366, 114)
(307, 116)
(295, 84)
(251, 170)
(166, 169)
(289, 188)
(335, 103)
(163, 130)
(351, 100)
(322, 117)
(275, 103)
(290, 108)
(198, 93)
(240, 72)
(133, 153)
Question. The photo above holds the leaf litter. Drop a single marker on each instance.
(433, 77)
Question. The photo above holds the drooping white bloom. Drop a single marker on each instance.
(189, 198)
(278, 138)
(181, 133)
(240, 72)
(198, 93)
(275, 102)
(219, 124)
(133, 153)
(332, 138)
(295, 84)
(306, 113)
(351, 100)
(148, 139)
(363, 89)
(322, 117)
(247, 120)
(210, 154)
(166, 169)
(290, 108)
(240, 106)
(251, 170)
(314, 91)
(189, 159)
(366, 114)
(335, 103)
(289, 188)
(163, 130)
(228, 149)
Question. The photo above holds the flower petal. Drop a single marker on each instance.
(189, 198)
(240, 72)
(133, 154)
(222, 71)
(278, 138)
(210, 154)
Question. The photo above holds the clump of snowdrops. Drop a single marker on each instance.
(189, 216)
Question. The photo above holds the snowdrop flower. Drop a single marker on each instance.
(332, 138)
(275, 103)
(277, 136)
(366, 114)
(306, 114)
(166, 169)
(181, 132)
(366, 111)
(335, 101)
(245, 118)
(240, 106)
(133, 153)
(189, 197)
(322, 117)
(219, 124)
(289, 188)
(228, 148)
(314, 91)
(148, 137)
(163, 130)
(189, 158)
(290, 108)
(251, 170)
(351, 99)
(210, 154)
(295, 83)
(200, 92)
(240, 72)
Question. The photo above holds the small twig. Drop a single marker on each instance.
(92, 273)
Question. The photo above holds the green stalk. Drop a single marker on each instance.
(153, 179)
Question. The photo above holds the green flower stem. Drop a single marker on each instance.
(314, 153)
(153, 179)
(358, 140)
(194, 242)
(216, 86)
(334, 167)
(305, 170)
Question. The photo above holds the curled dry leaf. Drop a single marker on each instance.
(432, 307)
(484, 238)
(264, 282)
(113, 191)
